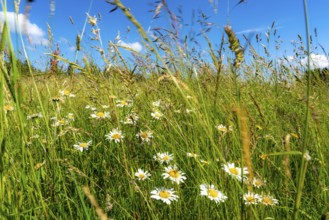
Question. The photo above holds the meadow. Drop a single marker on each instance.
(170, 137)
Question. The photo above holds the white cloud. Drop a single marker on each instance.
(317, 61)
(252, 30)
(136, 46)
(23, 25)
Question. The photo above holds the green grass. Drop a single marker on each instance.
(43, 176)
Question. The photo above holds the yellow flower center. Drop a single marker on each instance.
(267, 200)
(234, 171)
(166, 157)
(83, 145)
(258, 182)
(141, 176)
(8, 107)
(164, 194)
(212, 193)
(116, 136)
(144, 135)
(250, 199)
(66, 92)
(62, 122)
(100, 114)
(174, 173)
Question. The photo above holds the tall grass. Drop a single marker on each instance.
(210, 115)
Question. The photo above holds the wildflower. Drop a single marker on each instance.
(92, 20)
(251, 198)
(70, 116)
(258, 182)
(100, 115)
(194, 155)
(163, 157)
(223, 128)
(90, 107)
(8, 108)
(34, 116)
(145, 136)
(156, 103)
(174, 174)
(212, 193)
(268, 200)
(115, 135)
(60, 122)
(81, 146)
(142, 175)
(131, 119)
(124, 103)
(165, 195)
(307, 156)
(105, 106)
(66, 93)
(235, 172)
(157, 115)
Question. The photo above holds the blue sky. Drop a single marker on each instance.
(254, 16)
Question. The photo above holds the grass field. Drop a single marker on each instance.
(216, 141)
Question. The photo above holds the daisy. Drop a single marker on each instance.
(8, 108)
(268, 200)
(66, 93)
(100, 115)
(212, 193)
(174, 174)
(142, 175)
(235, 172)
(131, 119)
(163, 157)
(81, 146)
(194, 155)
(115, 135)
(258, 182)
(145, 136)
(251, 198)
(157, 115)
(90, 107)
(156, 103)
(70, 116)
(60, 122)
(223, 128)
(124, 103)
(165, 195)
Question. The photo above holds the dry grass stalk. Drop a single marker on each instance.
(245, 141)
(99, 210)
(286, 161)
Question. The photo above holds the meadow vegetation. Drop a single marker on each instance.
(168, 136)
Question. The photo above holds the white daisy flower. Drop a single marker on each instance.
(165, 195)
(60, 122)
(81, 146)
(268, 200)
(156, 103)
(256, 182)
(251, 198)
(115, 135)
(100, 115)
(235, 172)
(174, 174)
(194, 155)
(157, 115)
(224, 129)
(124, 103)
(163, 157)
(70, 116)
(66, 93)
(142, 175)
(212, 193)
(91, 107)
(146, 136)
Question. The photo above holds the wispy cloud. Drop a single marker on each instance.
(136, 46)
(252, 30)
(25, 26)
